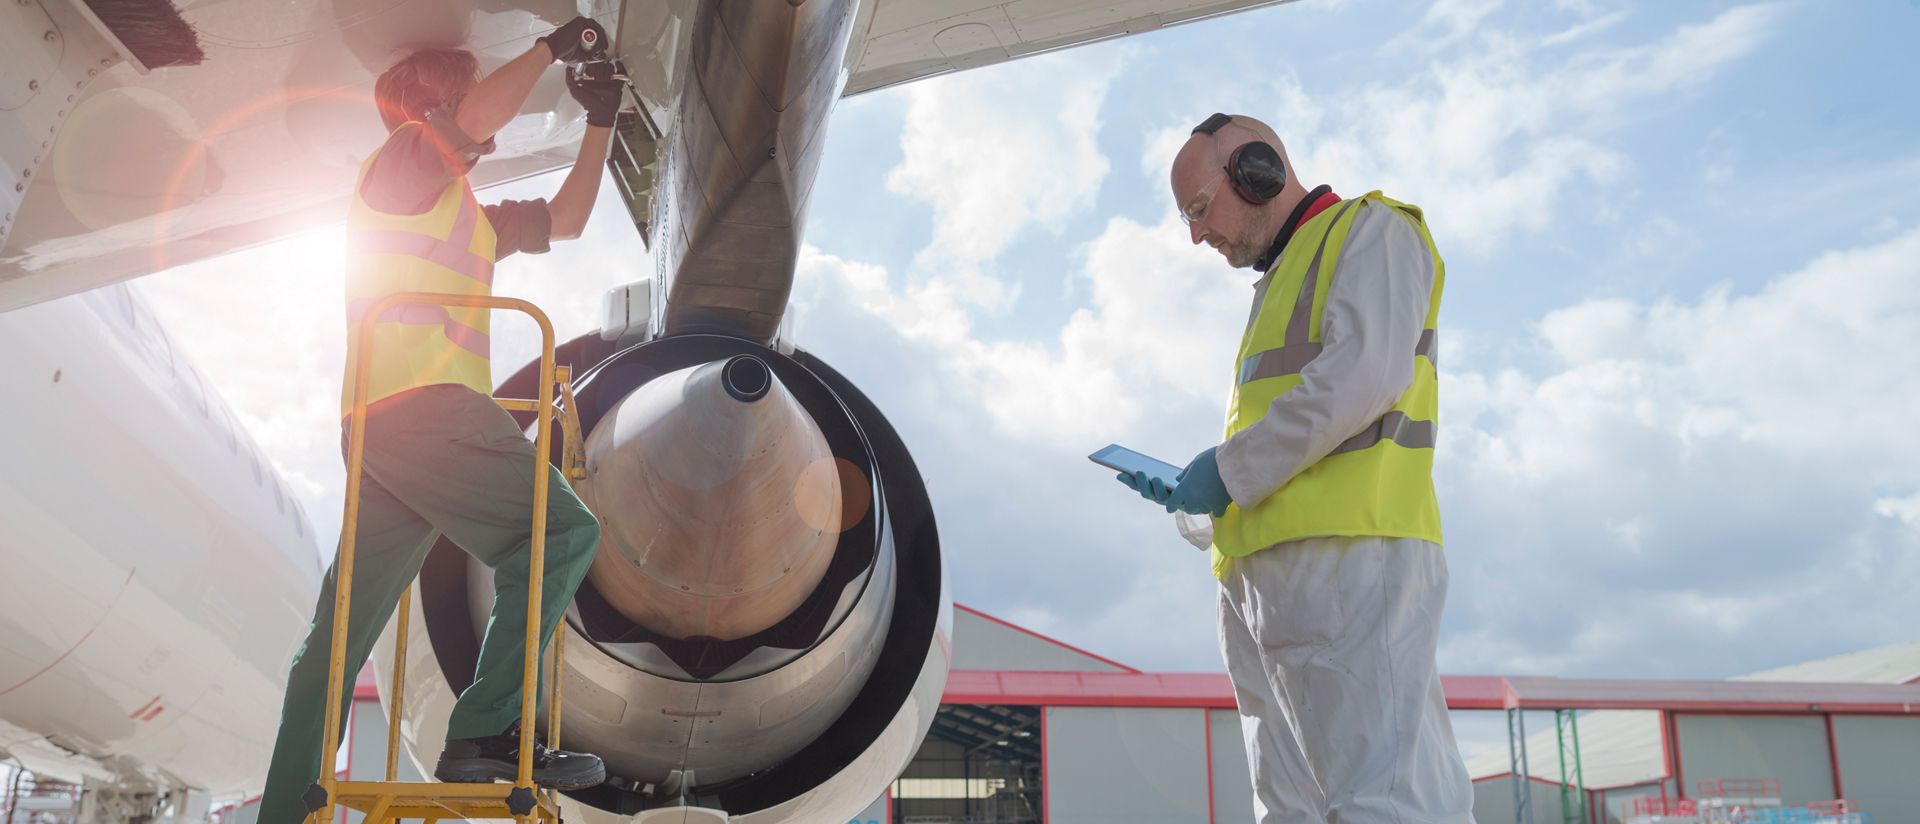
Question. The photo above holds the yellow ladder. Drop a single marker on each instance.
(392, 799)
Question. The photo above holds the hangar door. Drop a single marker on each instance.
(1122, 765)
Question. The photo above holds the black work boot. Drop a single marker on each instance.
(497, 758)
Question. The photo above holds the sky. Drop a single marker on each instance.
(1682, 248)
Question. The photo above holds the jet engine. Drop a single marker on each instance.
(765, 628)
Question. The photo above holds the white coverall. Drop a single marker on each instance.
(1330, 642)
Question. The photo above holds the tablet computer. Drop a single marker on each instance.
(1119, 458)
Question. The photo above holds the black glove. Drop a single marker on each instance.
(598, 90)
(579, 40)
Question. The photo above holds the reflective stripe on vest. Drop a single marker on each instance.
(454, 253)
(1393, 426)
(1377, 482)
(462, 335)
(1298, 351)
(447, 249)
(1294, 357)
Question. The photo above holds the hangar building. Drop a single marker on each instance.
(1036, 731)
(1033, 730)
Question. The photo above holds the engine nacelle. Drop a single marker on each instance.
(766, 628)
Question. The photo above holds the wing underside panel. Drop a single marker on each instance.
(912, 39)
(118, 173)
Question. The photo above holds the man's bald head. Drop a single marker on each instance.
(1240, 230)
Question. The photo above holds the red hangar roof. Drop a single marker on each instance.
(1464, 692)
(1124, 686)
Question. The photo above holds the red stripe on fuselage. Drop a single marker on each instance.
(76, 644)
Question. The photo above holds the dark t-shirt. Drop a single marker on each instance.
(420, 158)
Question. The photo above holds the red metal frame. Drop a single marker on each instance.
(1534, 778)
(1773, 697)
(1659, 805)
(365, 688)
(1670, 739)
(1046, 764)
(1089, 689)
(1597, 796)
(1054, 641)
(1833, 758)
(1737, 788)
(26, 784)
(1473, 692)
(1206, 717)
(1671, 726)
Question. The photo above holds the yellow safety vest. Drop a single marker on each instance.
(1378, 482)
(447, 248)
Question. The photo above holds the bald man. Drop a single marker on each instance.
(1318, 504)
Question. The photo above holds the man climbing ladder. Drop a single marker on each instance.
(440, 456)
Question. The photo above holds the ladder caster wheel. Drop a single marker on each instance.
(520, 801)
(315, 797)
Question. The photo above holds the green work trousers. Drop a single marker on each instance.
(440, 460)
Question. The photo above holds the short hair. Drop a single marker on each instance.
(421, 81)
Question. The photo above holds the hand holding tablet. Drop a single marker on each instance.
(1151, 477)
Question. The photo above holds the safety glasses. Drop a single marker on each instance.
(1196, 210)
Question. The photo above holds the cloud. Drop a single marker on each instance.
(1486, 133)
(1667, 474)
(266, 328)
(1708, 471)
(1906, 509)
(992, 152)
(1096, 564)
(1583, 29)
(1446, 22)
(1607, 78)
(1152, 329)
(1152, 324)
(1496, 125)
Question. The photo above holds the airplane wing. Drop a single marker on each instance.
(912, 39)
(119, 171)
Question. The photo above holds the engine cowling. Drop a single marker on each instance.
(765, 629)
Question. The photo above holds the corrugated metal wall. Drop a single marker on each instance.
(1493, 801)
(1616, 804)
(1232, 779)
(1880, 764)
(982, 643)
(1792, 748)
(1126, 766)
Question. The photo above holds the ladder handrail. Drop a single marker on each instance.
(343, 576)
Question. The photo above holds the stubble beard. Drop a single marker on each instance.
(1240, 254)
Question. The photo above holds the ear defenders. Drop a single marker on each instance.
(1254, 168)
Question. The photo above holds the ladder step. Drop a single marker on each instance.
(408, 799)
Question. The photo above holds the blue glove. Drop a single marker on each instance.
(1150, 488)
(1199, 490)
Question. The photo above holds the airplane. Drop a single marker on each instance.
(156, 573)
